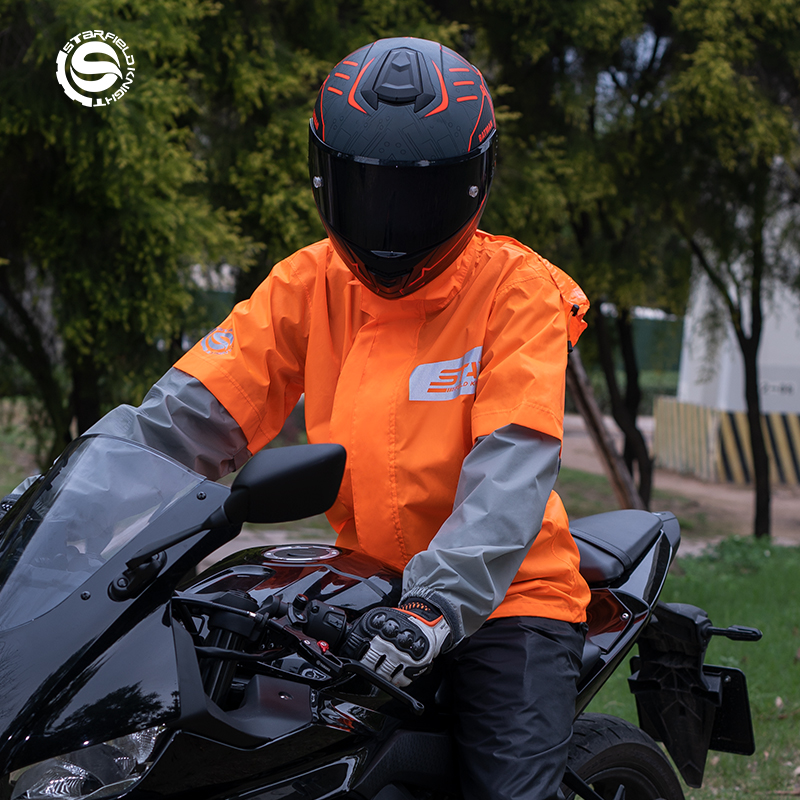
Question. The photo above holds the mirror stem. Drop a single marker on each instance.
(216, 519)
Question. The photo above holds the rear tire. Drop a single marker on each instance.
(606, 752)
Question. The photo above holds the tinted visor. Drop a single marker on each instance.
(391, 214)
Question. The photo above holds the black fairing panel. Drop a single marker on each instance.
(309, 763)
(83, 634)
(133, 685)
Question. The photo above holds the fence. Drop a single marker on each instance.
(715, 445)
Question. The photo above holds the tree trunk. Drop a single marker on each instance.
(618, 476)
(762, 521)
(85, 398)
(734, 292)
(622, 416)
(635, 445)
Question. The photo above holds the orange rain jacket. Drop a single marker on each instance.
(407, 386)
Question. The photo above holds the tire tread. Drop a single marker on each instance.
(602, 742)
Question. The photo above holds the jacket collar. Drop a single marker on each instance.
(431, 298)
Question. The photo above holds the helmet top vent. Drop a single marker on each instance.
(402, 78)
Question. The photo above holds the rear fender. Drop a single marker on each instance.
(690, 706)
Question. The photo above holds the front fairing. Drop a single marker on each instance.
(76, 666)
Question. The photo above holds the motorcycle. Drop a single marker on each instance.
(124, 674)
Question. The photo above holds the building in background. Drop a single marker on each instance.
(703, 431)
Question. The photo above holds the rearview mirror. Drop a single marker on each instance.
(286, 483)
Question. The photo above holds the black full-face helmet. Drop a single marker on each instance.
(401, 156)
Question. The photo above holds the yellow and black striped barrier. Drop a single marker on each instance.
(782, 437)
(715, 445)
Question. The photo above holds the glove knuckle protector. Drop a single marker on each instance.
(399, 643)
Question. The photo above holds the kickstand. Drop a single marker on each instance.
(582, 789)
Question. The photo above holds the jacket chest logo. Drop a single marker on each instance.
(444, 380)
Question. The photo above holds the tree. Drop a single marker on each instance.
(730, 171)
(101, 209)
(580, 82)
(106, 213)
(634, 122)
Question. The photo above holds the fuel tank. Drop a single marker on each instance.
(334, 575)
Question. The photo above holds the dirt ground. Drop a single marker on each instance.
(730, 505)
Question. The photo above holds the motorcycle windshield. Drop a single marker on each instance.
(97, 497)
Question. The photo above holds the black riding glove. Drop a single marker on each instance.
(398, 643)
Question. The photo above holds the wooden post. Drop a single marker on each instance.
(620, 479)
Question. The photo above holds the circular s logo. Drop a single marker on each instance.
(219, 342)
(110, 72)
(95, 68)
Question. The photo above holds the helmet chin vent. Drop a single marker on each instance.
(386, 281)
(387, 253)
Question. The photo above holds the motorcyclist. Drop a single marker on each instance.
(436, 354)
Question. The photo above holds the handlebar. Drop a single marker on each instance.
(279, 617)
(318, 653)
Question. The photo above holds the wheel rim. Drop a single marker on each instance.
(638, 786)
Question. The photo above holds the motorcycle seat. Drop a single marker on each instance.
(610, 544)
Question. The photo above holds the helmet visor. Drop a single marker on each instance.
(394, 211)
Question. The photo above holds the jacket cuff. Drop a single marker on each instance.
(449, 612)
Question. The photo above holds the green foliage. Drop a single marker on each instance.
(106, 213)
(104, 207)
(643, 136)
(730, 172)
(574, 178)
(722, 88)
(619, 119)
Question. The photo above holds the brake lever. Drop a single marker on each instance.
(318, 653)
(357, 668)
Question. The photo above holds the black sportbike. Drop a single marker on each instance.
(122, 677)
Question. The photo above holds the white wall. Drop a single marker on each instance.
(716, 379)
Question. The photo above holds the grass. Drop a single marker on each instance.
(584, 494)
(744, 582)
(312, 529)
(16, 447)
(740, 581)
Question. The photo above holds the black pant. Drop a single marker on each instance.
(514, 685)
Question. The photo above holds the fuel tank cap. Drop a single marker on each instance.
(299, 553)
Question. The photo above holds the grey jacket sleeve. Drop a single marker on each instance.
(504, 486)
(181, 418)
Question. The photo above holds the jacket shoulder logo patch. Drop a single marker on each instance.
(444, 380)
(219, 342)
